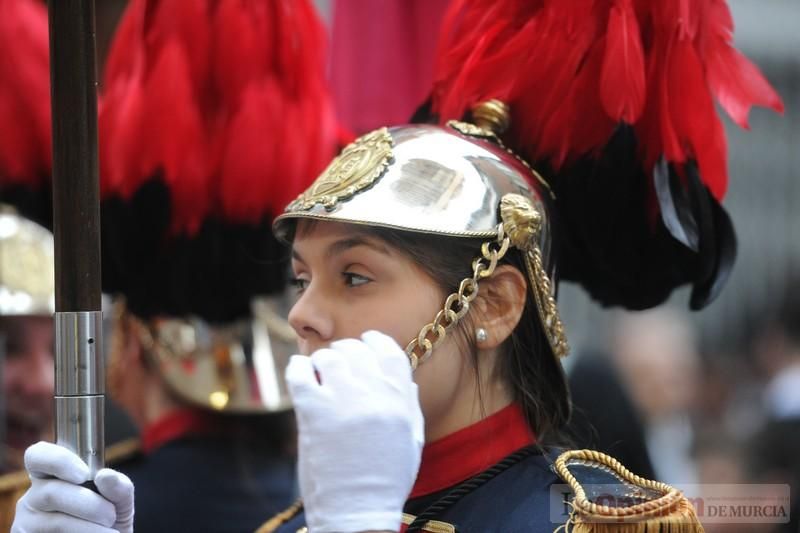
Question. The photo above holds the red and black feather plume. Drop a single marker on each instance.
(214, 116)
(614, 99)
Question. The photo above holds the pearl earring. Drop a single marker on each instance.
(481, 335)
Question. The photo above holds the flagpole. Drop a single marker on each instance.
(79, 368)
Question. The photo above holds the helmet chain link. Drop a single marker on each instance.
(457, 304)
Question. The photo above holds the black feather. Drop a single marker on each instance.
(213, 274)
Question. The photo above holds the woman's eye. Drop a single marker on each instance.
(299, 284)
(355, 280)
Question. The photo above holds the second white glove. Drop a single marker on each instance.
(56, 500)
(361, 433)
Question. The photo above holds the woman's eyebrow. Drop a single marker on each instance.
(353, 242)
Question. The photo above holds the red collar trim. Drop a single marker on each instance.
(174, 425)
(472, 450)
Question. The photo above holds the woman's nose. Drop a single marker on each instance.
(310, 317)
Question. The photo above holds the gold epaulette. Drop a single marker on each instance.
(628, 504)
(14, 484)
(271, 525)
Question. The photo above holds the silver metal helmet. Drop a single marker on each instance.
(457, 180)
(27, 271)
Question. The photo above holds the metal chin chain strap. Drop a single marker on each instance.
(457, 304)
(520, 228)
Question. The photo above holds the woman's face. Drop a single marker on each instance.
(349, 283)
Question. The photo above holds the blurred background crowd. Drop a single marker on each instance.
(706, 397)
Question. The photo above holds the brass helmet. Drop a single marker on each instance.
(27, 272)
(233, 368)
(456, 180)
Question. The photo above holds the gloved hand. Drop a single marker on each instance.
(57, 502)
(360, 431)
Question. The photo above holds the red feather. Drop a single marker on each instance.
(692, 112)
(177, 144)
(25, 129)
(225, 101)
(622, 86)
(247, 162)
(735, 82)
(572, 69)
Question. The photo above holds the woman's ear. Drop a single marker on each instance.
(499, 305)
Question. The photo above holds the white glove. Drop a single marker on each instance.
(57, 502)
(360, 431)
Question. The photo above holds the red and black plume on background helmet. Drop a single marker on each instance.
(214, 116)
(613, 100)
(25, 149)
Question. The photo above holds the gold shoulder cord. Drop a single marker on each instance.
(281, 518)
(669, 513)
(431, 526)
